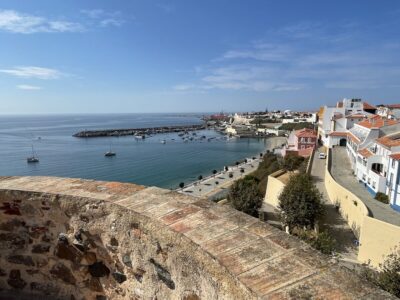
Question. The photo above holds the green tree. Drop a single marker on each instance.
(181, 185)
(292, 162)
(214, 172)
(300, 202)
(200, 177)
(245, 196)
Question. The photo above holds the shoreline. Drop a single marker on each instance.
(212, 185)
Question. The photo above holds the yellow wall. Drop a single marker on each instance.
(378, 239)
(274, 188)
(351, 207)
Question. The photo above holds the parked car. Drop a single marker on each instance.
(321, 155)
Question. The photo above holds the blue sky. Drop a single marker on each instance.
(195, 56)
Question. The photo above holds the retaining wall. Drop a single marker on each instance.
(377, 239)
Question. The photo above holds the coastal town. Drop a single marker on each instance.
(352, 150)
(200, 150)
(327, 182)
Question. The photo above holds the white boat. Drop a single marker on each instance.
(163, 141)
(110, 153)
(33, 158)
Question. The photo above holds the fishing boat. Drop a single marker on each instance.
(33, 158)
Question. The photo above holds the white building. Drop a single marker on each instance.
(369, 147)
(334, 122)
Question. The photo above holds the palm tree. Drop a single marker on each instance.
(214, 172)
(237, 163)
(200, 177)
(181, 185)
(230, 175)
(216, 182)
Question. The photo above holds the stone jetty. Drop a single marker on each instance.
(138, 131)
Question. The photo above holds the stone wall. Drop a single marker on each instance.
(64, 238)
(86, 249)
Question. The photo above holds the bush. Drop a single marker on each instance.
(388, 277)
(381, 197)
(300, 202)
(245, 196)
(296, 126)
(292, 162)
(322, 241)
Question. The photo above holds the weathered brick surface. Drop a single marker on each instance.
(75, 239)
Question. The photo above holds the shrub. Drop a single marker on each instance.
(388, 277)
(300, 202)
(322, 241)
(296, 126)
(381, 197)
(244, 195)
(292, 162)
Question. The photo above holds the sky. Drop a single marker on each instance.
(131, 56)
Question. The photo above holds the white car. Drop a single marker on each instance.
(321, 155)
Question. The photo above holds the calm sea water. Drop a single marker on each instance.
(147, 162)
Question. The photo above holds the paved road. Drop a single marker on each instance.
(343, 174)
(209, 188)
(332, 220)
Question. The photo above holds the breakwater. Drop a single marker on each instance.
(138, 131)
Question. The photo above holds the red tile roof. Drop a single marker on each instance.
(376, 122)
(395, 156)
(389, 141)
(393, 106)
(306, 132)
(366, 105)
(338, 133)
(365, 153)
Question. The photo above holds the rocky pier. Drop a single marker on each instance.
(138, 131)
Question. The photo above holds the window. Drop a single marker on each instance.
(390, 179)
(373, 184)
(393, 163)
(363, 177)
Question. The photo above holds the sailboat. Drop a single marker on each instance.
(110, 153)
(33, 158)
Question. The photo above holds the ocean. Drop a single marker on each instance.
(148, 162)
